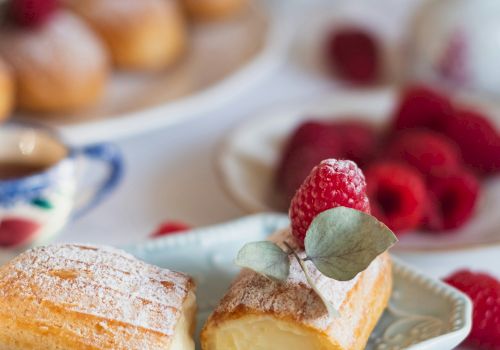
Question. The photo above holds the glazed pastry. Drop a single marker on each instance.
(257, 313)
(6, 91)
(141, 34)
(60, 66)
(213, 9)
(82, 297)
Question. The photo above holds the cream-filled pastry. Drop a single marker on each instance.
(83, 297)
(260, 314)
(140, 34)
(60, 66)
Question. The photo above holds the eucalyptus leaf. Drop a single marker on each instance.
(332, 311)
(266, 258)
(341, 242)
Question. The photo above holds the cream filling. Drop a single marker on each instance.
(254, 332)
(183, 337)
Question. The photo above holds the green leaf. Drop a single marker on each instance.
(341, 242)
(332, 311)
(266, 258)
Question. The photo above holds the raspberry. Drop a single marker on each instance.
(429, 152)
(421, 107)
(330, 184)
(433, 219)
(309, 144)
(478, 140)
(170, 227)
(16, 231)
(353, 54)
(309, 132)
(484, 291)
(32, 13)
(454, 199)
(397, 195)
(358, 140)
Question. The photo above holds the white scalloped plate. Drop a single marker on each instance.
(423, 313)
(247, 159)
(224, 59)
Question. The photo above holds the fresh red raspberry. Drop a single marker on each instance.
(484, 290)
(359, 140)
(454, 198)
(433, 219)
(170, 227)
(310, 131)
(32, 13)
(310, 143)
(397, 195)
(354, 55)
(330, 184)
(478, 140)
(15, 232)
(422, 107)
(429, 152)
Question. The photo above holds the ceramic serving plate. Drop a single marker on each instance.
(423, 313)
(223, 59)
(247, 159)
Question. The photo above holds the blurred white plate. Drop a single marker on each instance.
(247, 159)
(224, 59)
(439, 323)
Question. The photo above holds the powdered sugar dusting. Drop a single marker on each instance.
(295, 299)
(64, 45)
(347, 167)
(102, 282)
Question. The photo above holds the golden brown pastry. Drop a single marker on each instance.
(59, 67)
(207, 10)
(257, 313)
(6, 91)
(141, 34)
(81, 297)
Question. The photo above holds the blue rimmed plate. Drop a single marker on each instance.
(423, 313)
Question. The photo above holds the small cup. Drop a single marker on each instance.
(39, 184)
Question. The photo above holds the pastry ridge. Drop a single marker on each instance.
(87, 297)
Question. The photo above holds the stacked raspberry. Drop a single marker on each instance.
(422, 173)
(332, 183)
(314, 141)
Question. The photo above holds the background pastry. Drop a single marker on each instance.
(141, 34)
(258, 313)
(213, 9)
(81, 297)
(59, 66)
(6, 91)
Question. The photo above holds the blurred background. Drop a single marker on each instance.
(210, 107)
(200, 112)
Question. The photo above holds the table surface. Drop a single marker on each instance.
(170, 174)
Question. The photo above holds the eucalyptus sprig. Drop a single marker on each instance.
(341, 242)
